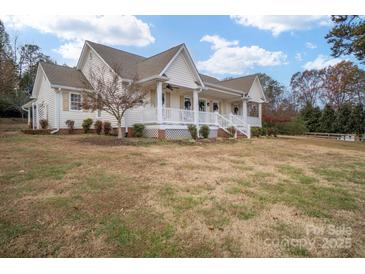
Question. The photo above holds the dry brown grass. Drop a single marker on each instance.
(64, 196)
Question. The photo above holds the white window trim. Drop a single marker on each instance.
(69, 100)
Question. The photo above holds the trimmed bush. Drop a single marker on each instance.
(86, 124)
(70, 124)
(107, 127)
(255, 132)
(98, 126)
(138, 130)
(43, 123)
(204, 131)
(193, 131)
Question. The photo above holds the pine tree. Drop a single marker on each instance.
(327, 119)
(311, 117)
(357, 120)
(343, 119)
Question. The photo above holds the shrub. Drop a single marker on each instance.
(296, 127)
(70, 124)
(255, 132)
(138, 130)
(86, 124)
(231, 131)
(193, 131)
(43, 123)
(98, 126)
(107, 127)
(204, 131)
(263, 131)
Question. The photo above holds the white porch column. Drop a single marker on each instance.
(33, 117)
(159, 102)
(260, 111)
(244, 110)
(28, 117)
(196, 107)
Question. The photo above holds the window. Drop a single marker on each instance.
(90, 56)
(187, 103)
(75, 101)
(202, 105)
(215, 106)
(163, 99)
(253, 109)
(236, 110)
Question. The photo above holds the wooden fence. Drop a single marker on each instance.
(337, 136)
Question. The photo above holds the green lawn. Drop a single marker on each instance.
(89, 196)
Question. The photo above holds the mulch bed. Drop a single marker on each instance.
(113, 141)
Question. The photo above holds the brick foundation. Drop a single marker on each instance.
(222, 134)
(161, 134)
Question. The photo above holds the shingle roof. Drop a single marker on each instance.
(156, 63)
(65, 76)
(243, 83)
(208, 79)
(125, 62)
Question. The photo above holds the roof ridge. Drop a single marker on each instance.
(140, 56)
(255, 74)
(57, 65)
(162, 52)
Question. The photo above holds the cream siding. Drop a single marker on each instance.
(46, 96)
(180, 73)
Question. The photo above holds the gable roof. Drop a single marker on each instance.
(208, 79)
(243, 83)
(65, 76)
(155, 64)
(127, 62)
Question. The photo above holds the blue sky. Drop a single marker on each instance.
(221, 46)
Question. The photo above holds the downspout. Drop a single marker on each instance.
(58, 115)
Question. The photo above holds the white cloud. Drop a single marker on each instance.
(282, 23)
(232, 59)
(218, 42)
(310, 45)
(321, 61)
(73, 30)
(298, 57)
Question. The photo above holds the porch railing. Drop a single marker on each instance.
(181, 116)
(208, 118)
(175, 115)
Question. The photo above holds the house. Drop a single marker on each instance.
(182, 95)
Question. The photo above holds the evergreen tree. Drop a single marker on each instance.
(343, 119)
(327, 120)
(311, 117)
(347, 36)
(357, 119)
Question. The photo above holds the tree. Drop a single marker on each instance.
(30, 56)
(327, 119)
(347, 36)
(341, 84)
(357, 119)
(15, 100)
(274, 92)
(306, 86)
(311, 116)
(343, 119)
(113, 95)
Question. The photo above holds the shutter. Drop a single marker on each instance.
(210, 106)
(181, 102)
(153, 98)
(65, 101)
(168, 96)
(219, 107)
